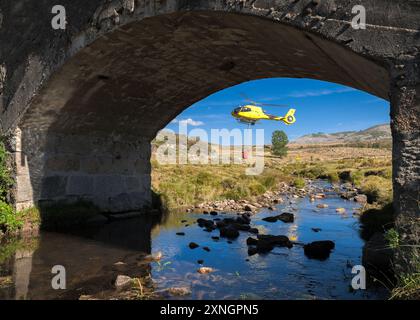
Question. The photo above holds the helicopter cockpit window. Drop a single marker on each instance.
(237, 110)
(246, 109)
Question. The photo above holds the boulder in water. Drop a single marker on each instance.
(319, 250)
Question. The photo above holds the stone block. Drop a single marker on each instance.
(79, 185)
(108, 185)
(132, 183)
(96, 165)
(23, 184)
(53, 187)
(62, 163)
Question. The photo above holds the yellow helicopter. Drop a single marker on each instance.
(251, 113)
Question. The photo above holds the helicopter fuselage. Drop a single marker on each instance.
(251, 114)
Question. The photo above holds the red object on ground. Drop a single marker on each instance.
(244, 155)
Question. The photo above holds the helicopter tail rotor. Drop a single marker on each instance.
(289, 118)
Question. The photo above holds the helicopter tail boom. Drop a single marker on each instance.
(289, 118)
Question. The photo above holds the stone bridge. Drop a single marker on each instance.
(80, 106)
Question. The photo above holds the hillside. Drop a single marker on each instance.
(377, 133)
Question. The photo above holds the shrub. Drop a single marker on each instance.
(299, 183)
(5, 179)
(204, 178)
(8, 219)
(356, 177)
(315, 172)
(408, 287)
(228, 183)
(333, 177)
(269, 181)
(345, 175)
(377, 189)
(393, 238)
(256, 188)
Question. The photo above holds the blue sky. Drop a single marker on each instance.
(320, 107)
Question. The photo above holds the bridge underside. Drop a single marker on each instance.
(87, 133)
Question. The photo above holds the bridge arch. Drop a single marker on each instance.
(75, 103)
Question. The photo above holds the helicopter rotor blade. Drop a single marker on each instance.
(243, 95)
(274, 105)
(260, 103)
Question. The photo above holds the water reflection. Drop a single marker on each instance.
(89, 256)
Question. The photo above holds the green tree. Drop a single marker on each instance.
(279, 141)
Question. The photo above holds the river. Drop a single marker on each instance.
(90, 256)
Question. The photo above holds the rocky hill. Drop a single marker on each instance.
(377, 133)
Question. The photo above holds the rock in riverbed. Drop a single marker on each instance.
(285, 217)
(229, 232)
(179, 291)
(253, 230)
(361, 198)
(266, 243)
(123, 282)
(280, 240)
(270, 219)
(251, 241)
(229, 227)
(204, 223)
(154, 257)
(249, 208)
(204, 270)
(319, 250)
(193, 245)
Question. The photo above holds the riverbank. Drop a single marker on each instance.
(188, 185)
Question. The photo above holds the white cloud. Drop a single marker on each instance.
(318, 93)
(190, 122)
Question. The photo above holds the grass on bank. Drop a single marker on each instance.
(407, 285)
(372, 177)
(186, 185)
(407, 288)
